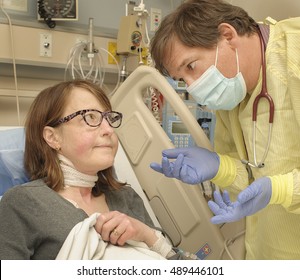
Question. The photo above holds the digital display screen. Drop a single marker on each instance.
(179, 128)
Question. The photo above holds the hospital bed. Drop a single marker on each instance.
(180, 209)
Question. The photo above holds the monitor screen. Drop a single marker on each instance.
(179, 128)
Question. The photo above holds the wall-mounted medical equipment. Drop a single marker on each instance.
(130, 35)
(207, 121)
(181, 209)
(52, 10)
(176, 129)
(173, 125)
(85, 61)
(133, 38)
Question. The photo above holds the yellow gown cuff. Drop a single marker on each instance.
(226, 173)
(282, 189)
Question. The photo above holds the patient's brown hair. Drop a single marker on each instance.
(40, 160)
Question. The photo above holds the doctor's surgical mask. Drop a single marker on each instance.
(216, 91)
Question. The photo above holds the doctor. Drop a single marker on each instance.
(250, 74)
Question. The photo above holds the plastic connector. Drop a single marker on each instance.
(140, 10)
(270, 20)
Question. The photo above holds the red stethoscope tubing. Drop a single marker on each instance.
(264, 91)
(263, 94)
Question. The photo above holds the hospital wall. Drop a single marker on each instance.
(277, 9)
(35, 72)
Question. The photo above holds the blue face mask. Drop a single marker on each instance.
(216, 91)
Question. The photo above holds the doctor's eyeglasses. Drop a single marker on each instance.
(94, 118)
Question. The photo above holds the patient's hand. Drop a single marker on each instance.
(117, 228)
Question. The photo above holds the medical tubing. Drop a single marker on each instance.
(71, 60)
(119, 75)
(155, 104)
(44, 14)
(94, 71)
(228, 242)
(14, 61)
(86, 51)
(147, 35)
(79, 62)
(74, 55)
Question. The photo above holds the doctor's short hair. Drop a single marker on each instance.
(195, 23)
(40, 160)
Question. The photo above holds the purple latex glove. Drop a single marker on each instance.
(191, 165)
(249, 201)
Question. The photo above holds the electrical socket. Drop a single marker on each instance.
(46, 44)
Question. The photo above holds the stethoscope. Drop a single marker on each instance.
(263, 94)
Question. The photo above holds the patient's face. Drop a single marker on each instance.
(89, 148)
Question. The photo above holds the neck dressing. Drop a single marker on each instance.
(73, 177)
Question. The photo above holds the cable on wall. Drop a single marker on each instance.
(85, 62)
(13, 61)
(44, 15)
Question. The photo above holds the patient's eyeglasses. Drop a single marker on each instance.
(94, 118)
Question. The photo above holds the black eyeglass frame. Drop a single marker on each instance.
(105, 115)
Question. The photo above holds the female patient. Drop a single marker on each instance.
(70, 149)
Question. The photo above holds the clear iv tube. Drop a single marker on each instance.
(82, 66)
(79, 67)
(85, 62)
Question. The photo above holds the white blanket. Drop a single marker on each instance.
(84, 243)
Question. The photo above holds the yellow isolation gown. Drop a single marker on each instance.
(274, 232)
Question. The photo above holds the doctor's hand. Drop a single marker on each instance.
(191, 165)
(249, 201)
(116, 227)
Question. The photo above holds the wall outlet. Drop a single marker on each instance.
(46, 44)
(155, 19)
